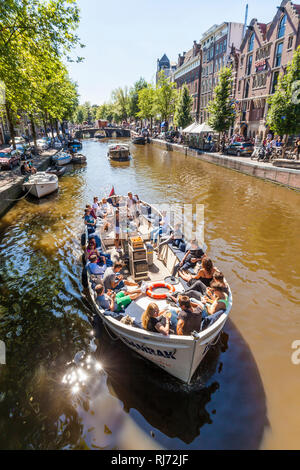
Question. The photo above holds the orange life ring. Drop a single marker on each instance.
(151, 294)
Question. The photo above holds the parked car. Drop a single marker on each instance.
(9, 158)
(18, 140)
(240, 148)
(42, 144)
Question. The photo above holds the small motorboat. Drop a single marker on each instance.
(179, 356)
(56, 170)
(78, 158)
(119, 152)
(62, 158)
(41, 184)
(140, 140)
(76, 144)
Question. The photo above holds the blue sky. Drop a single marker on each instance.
(124, 38)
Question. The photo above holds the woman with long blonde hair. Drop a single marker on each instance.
(151, 320)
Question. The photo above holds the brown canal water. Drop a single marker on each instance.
(245, 394)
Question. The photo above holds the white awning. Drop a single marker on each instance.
(190, 128)
(202, 128)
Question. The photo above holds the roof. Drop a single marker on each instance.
(188, 56)
(164, 59)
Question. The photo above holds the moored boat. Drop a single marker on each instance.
(41, 184)
(78, 158)
(119, 152)
(139, 140)
(56, 170)
(62, 158)
(179, 356)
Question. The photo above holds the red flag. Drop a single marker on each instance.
(112, 193)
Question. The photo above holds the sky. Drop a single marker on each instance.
(124, 39)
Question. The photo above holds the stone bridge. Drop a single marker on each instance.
(101, 133)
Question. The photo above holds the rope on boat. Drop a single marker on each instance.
(19, 199)
(110, 334)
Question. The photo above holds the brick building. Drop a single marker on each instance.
(264, 54)
(217, 45)
(188, 71)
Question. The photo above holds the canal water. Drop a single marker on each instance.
(64, 388)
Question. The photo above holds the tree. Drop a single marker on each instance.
(146, 98)
(222, 109)
(34, 34)
(284, 112)
(133, 99)
(165, 97)
(120, 103)
(183, 109)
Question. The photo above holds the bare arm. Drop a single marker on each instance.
(163, 329)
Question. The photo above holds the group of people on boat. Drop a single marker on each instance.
(205, 293)
(205, 298)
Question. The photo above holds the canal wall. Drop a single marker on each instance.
(284, 176)
(11, 181)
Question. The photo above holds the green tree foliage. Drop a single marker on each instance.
(221, 109)
(183, 116)
(34, 34)
(165, 97)
(120, 102)
(133, 99)
(146, 103)
(284, 112)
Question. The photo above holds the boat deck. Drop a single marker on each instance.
(157, 271)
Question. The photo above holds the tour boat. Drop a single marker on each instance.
(119, 152)
(62, 158)
(41, 184)
(179, 356)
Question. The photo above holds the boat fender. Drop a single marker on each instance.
(84, 278)
(83, 239)
(155, 285)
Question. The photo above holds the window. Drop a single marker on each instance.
(290, 42)
(251, 43)
(217, 49)
(281, 27)
(278, 54)
(247, 87)
(239, 85)
(242, 61)
(249, 64)
(275, 81)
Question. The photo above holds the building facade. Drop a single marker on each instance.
(217, 45)
(264, 54)
(188, 72)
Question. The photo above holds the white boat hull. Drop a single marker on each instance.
(178, 356)
(63, 160)
(41, 188)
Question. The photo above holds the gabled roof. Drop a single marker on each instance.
(164, 59)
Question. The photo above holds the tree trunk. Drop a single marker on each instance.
(10, 124)
(151, 125)
(52, 130)
(56, 127)
(285, 141)
(33, 129)
(45, 127)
